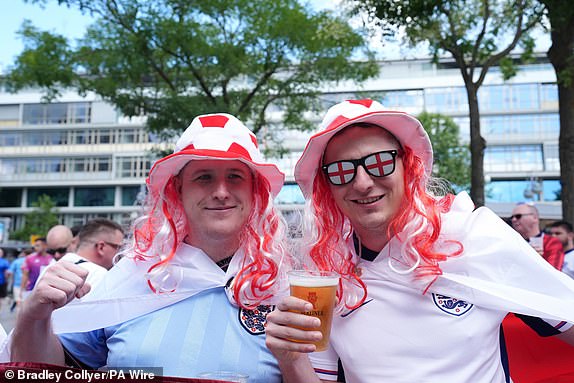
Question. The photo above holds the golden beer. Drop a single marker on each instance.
(319, 288)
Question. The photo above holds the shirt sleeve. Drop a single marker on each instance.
(545, 327)
(87, 347)
(325, 364)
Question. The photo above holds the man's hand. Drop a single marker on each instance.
(62, 282)
(283, 338)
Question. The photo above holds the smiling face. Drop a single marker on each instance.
(369, 202)
(217, 199)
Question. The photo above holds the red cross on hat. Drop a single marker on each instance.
(215, 136)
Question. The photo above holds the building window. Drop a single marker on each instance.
(552, 157)
(56, 113)
(513, 158)
(514, 190)
(130, 167)
(94, 196)
(8, 166)
(131, 195)
(404, 99)
(548, 96)
(10, 197)
(543, 126)
(493, 98)
(446, 100)
(58, 195)
(9, 115)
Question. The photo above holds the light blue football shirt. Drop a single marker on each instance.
(199, 334)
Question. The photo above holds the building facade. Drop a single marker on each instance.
(92, 161)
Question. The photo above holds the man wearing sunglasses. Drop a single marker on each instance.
(425, 279)
(99, 241)
(59, 240)
(525, 220)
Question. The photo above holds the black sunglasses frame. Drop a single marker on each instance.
(61, 250)
(520, 215)
(361, 162)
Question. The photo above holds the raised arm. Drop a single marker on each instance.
(33, 339)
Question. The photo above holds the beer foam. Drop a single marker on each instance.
(313, 282)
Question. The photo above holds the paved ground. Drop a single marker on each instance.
(7, 318)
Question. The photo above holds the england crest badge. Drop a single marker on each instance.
(450, 305)
(254, 320)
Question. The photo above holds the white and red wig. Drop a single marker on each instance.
(417, 225)
(158, 233)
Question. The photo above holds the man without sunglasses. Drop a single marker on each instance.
(33, 266)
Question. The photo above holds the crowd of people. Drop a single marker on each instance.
(426, 280)
(94, 245)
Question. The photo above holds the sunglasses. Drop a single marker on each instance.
(61, 250)
(518, 216)
(379, 164)
(114, 245)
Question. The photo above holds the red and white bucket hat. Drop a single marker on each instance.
(214, 136)
(406, 129)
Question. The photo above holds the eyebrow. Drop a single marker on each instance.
(208, 170)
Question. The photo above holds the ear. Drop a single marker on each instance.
(100, 248)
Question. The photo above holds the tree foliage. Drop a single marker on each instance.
(476, 33)
(451, 158)
(561, 54)
(174, 59)
(39, 220)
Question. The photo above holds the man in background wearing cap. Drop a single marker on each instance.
(425, 280)
(189, 293)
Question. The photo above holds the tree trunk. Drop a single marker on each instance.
(477, 145)
(566, 149)
(561, 55)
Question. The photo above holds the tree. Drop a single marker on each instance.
(39, 220)
(451, 159)
(471, 32)
(174, 59)
(561, 54)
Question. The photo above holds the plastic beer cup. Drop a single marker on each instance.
(319, 288)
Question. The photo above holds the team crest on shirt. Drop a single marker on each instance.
(254, 320)
(450, 305)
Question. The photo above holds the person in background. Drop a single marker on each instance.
(15, 271)
(33, 266)
(59, 241)
(192, 289)
(563, 231)
(99, 241)
(426, 279)
(75, 232)
(525, 220)
(4, 277)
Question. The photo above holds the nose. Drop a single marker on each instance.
(363, 181)
(221, 189)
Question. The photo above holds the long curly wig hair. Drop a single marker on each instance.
(162, 227)
(417, 226)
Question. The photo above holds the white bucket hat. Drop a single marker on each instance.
(406, 129)
(214, 136)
